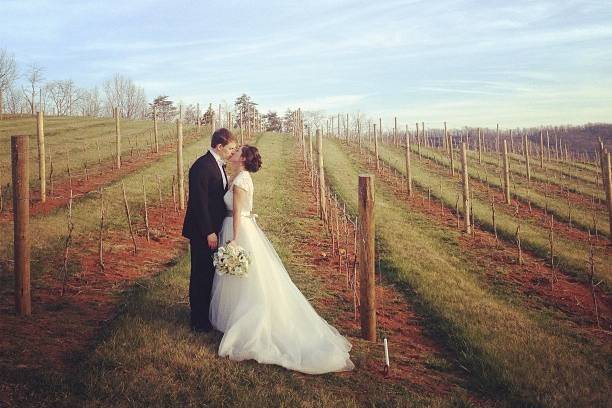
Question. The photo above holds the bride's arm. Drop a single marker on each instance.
(239, 198)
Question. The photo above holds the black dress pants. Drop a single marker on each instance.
(200, 282)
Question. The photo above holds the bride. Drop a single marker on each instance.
(264, 316)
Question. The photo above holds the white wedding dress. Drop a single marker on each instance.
(264, 316)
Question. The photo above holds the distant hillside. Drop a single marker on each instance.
(578, 138)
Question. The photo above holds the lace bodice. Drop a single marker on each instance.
(244, 181)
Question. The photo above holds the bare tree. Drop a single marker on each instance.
(14, 101)
(313, 119)
(91, 104)
(34, 76)
(8, 74)
(123, 93)
(190, 114)
(65, 96)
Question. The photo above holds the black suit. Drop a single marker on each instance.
(205, 212)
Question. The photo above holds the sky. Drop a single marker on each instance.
(475, 63)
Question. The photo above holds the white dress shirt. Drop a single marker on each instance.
(220, 163)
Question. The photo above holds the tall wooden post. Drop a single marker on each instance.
(445, 137)
(452, 155)
(418, 140)
(497, 147)
(346, 129)
(21, 214)
(547, 146)
(310, 158)
(423, 133)
(376, 147)
(117, 138)
(179, 162)
(395, 131)
(322, 199)
(526, 154)
(506, 174)
(466, 189)
(541, 149)
(367, 278)
(479, 146)
(40, 130)
(155, 130)
(408, 165)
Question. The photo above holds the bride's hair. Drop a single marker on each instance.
(252, 159)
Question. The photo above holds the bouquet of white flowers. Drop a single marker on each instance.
(231, 259)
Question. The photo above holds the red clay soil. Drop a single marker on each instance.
(99, 175)
(532, 279)
(413, 352)
(62, 326)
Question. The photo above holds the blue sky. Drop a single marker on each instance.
(519, 63)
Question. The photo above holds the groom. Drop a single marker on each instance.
(203, 218)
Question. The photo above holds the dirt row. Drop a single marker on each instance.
(419, 360)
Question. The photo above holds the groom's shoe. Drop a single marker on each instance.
(201, 329)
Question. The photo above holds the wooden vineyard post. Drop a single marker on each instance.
(128, 216)
(418, 140)
(506, 174)
(146, 210)
(466, 189)
(445, 137)
(21, 215)
(376, 148)
(117, 138)
(179, 163)
(41, 156)
(526, 154)
(452, 155)
(310, 158)
(367, 257)
(346, 129)
(155, 130)
(408, 166)
(321, 172)
(547, 146)
(479, 147)
(395, 131)
(541, 149)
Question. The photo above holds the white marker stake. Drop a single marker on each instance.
(386, 353)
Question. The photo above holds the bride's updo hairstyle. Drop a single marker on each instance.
(252, 159)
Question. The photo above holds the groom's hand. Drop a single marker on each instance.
(212, 241)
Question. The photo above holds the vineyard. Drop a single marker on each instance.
(491, 266)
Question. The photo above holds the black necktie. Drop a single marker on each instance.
(225, 174)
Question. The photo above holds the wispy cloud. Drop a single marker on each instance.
(454, 60)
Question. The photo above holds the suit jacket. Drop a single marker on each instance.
(205, 207)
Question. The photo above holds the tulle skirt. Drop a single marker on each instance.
(265, 317)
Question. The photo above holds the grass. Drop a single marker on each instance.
(74, 141)
(537, 194)
(512, 354)
(148, 356)
(571, 255)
